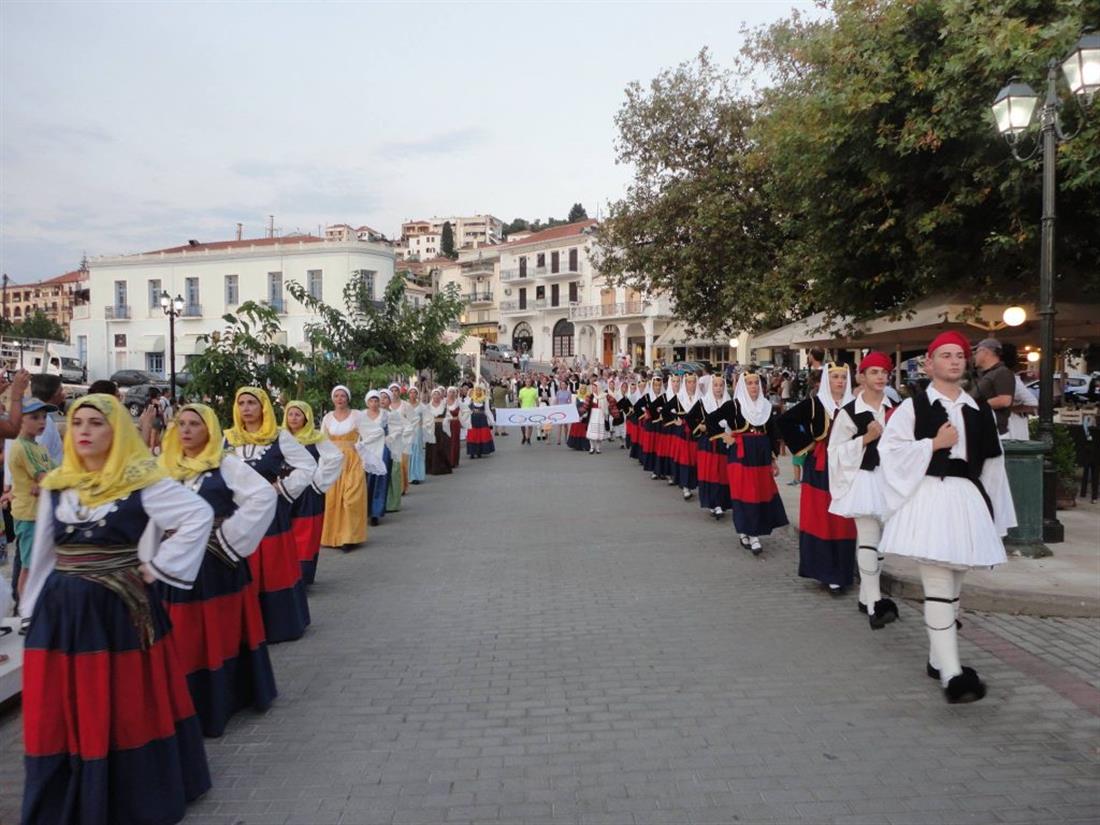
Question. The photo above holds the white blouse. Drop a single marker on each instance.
(256, 500)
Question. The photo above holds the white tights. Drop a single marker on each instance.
(941, 606)
(869, 560)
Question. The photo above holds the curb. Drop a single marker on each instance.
(993, 600)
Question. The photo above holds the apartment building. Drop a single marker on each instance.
(54, 298)
(424, 238)
(122, 326)
(347, 232)
(476, 274)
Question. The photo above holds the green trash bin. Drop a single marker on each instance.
(1024, 465)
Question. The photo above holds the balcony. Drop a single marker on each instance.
(513, 275)
(119, 312)
(474, 298)
(192, 311)
(619, 310)
(81, 312)
(513, 307)
(478, 269)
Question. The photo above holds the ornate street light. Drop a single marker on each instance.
(1013, 110)
(173, 308)
(1014, 316)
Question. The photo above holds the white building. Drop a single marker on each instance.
(476, 273)
(123, 326)
(424, 238)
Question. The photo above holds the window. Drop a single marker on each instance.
(523, 267)
(563, 339)
(540, 260)
(232, 295)
(120, 294)
(573, 291)
(555, 261)
(540, 292)
(154, 294)
(191, 297)
(523, 298)
(275, 290)
(572, 260)
(314, 283)
(555, 297)
(154, 362)
(82, 348)
(368, 276)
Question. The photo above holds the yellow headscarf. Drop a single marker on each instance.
(307, 435)
(172, 458)
(269, 429)
(129, 466)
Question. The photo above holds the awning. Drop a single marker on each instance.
(151, 343)
(675, 335)
(191, 345)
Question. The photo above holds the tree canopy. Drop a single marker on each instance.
(577, 213)
(866, 176)
(447, 241)
(37, 325)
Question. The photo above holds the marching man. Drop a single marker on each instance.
(946, 487)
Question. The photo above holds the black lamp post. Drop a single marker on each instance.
(1013, 110)
(173, 308)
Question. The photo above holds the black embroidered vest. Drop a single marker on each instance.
(982, 441)
(863, 421)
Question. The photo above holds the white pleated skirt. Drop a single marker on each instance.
(946, 522)
(863, 498)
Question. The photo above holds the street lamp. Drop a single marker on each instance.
(1013, 109)
(1014, 316)
(173, 308)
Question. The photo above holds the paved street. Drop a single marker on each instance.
(548, 637)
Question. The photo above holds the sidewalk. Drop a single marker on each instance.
(1065, 584)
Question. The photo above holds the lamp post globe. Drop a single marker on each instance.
(1082, 67)
(1013, 108)
(1014, 316)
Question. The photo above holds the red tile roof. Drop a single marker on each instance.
(554, 233)
(243, 244)
(68, 277)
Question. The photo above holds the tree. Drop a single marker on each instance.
(868, 176)
(517, 225)
(38, 326)
(696, 222)
(447, 241)
(577, 213)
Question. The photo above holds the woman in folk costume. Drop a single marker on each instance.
(753, 464)
(616, 410)
(689, 414)
(276, 455)
(307, 514)
(437, 456)
(395, 447)
(597, 414)
(372, 449)
(711, 455)
(217, 627)
(399, 404)
(479, 438)
(653, 404)
(578, 431)
(109, 729)
(417, 424)
(826, 542)
(856, 483)
(631, 425)
(949, 500)
(456, 423)
(345, 522)
(666, 433)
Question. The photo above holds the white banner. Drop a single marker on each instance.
(537, 416)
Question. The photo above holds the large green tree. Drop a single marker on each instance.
(447, 241)
(870, 161)
(38, 325)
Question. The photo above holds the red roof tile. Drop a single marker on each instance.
(554, 233)
(243, 244)
(68, 277)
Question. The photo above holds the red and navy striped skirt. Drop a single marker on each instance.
(757, 508)
(577, 438)
(710, 465)
(479, 438)
(648, 445)
(307, 522)
(110, 732)
(684, 458)
(218, 638)
(278, 576)
(826, 543)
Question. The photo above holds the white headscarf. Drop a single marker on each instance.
(373, 394)
(710, 403)
(755, 412)
(649, 393)
(342, 388)
(825, 396)
(669, 393)
(687, 401)
(440, 408)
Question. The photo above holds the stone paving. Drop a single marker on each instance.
(551, 637)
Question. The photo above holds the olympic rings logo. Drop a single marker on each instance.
(536, 418)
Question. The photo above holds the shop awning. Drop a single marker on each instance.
(675, 335)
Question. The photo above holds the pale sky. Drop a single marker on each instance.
(126, 127)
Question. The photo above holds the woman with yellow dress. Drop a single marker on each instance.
(346, 501)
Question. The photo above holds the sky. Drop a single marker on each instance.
(128, 127)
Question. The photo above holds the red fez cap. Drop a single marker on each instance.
(950, 337)
(876, 359)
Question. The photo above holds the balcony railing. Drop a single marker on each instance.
(192, 311)
(512, 275)
(118, 312)
(616, 310)
(478, 297)
(530, 306)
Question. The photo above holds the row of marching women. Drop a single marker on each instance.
(925, 479)
(156, 584)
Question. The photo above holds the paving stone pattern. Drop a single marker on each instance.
(549, 637)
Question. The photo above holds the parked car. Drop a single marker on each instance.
(1075, 387)
(138, 396)
(684, 367)
(131, 378)
(498, 352)
(71, 370)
